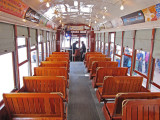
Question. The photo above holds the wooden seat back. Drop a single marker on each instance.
(98, 59)
(97, 64)
(114, 85)
(120, 97)
(57, 59)
(45, 84)
(88, 53)
(51, 71)
(141, 109)
(59, 55)
(93, 55)
(55, 64)
(34, 105)
(102, 72)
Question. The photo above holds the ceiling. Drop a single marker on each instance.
(87, 11)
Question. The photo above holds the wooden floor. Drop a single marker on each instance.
(82, 102)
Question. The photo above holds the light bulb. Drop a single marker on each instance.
(95, 22)
(103, 17)
(24, 20)
(122, 7)
(47, 4)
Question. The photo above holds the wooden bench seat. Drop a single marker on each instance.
(34, 105)
(102, 72)
(59, 55)
(112, 111)
(45, 84)
(88, 53)
(99, 59)
(141, 109)
(97, 64)
(57, 59)
(93, 55)
(114, 85)
(55, 64)
(51, 71)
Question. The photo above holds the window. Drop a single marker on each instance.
(44, 52)
(23, 71)
(33, 60)
(128, 51)
(118, 50)
(99, 47)
(66, 43)
(102, 46)
(142, 60)
(22, 49)
(112, 46)
(40, 52)
(156, 74)
(48, 49)
(106, 49)
(84, 40)
(6, 71)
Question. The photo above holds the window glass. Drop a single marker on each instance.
(40, 53)
(127, 62)
(118, 50)
(33, 47)
(128, 51)
(154, 89)
(22, 54)
(117, 59)
(44, 47)
(99, 47)
(23, 71)
(112, 37)
(34, 60)
(111, 50)
(48, 49)
(142, 60)
(6, 70)
(102, 44)
(156, 74)
(106, 49)
(21, 41)
(66, 43)
(84, 40)
(74, 39)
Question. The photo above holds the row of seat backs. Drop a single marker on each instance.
(45, 84)
(59, 55)
(34, 105)
(114, 85)
(112, 71)
(100, 59)
(55, 64)
(57, 59)
(88, 53)
(122, 101)
(97, 64)
(141, 109)
(51, 71)
(93, 55)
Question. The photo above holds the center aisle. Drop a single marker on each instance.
(81, 105)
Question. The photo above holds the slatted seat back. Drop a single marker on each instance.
(120, 97)
(57, 59)
(97, 64)
(102, 72)
(93, 55)
(141, 109)
(59, 55)
(55, 64)
(45, 84)
(117, 84)
(89, 53)
(50, 71)
(98, 59)
(34, 105)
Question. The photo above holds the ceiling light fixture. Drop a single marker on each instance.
(47, 4)
(76, 3)
(105, 8)
(122, 7)
(103, 17)
(60, 21)
(24, 20)
(95, 22)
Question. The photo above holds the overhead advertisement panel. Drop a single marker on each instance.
(13, 7)
(158, 11)
(32, 16)
(133, 18)
(150, 13)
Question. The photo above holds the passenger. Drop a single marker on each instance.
(146, 61)
(139, 60)
(74, 46)
(83, 51)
